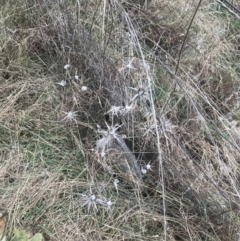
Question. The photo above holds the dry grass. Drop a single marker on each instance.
(185, 124)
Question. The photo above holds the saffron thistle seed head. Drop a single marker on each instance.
(70, 116)
(62, 83)
(92, 197)
(84, 88)
(116, 181)
(148, 166)
(115, 110)
(67, 66)
(144, 171)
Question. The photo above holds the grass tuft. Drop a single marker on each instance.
(95, 91)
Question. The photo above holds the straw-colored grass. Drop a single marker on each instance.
(172, 95)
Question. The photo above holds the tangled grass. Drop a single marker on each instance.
(69, 68)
